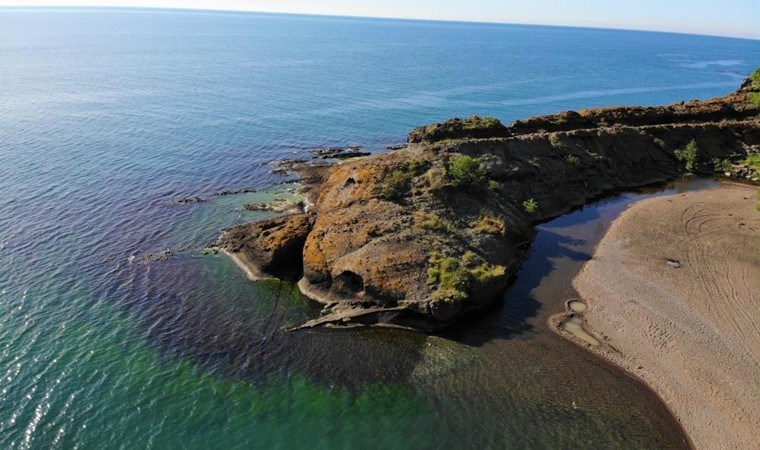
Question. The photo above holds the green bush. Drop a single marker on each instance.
(530, 205)
(465, 170)
(721, 165)
(688, 155)
(456, 276)
(395, 184)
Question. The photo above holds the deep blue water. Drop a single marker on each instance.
(106, 116)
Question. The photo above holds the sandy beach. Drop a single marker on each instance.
(673, 295)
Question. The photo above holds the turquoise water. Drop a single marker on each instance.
(106, 116)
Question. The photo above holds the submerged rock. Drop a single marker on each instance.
(340, 152)
(421, 236)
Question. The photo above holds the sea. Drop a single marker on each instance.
(119, 329)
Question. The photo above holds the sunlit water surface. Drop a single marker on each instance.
(107, 116)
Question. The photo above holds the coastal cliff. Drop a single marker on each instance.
(420, 236)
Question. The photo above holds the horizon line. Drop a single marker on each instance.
(352, 16)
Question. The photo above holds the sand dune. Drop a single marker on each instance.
(673, 293)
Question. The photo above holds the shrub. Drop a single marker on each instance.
(530, 205)
(395, 184)
(721, 165)
(490, 224)
(493, 185)
(455, 277)
(398, 181)
(465, 170)
(688, 155)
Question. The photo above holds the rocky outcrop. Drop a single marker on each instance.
(273, 246)
(420, 236)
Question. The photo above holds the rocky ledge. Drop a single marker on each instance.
(420, 236)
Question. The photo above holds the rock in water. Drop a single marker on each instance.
(421, 236)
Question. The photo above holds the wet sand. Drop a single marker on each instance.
(673, 296)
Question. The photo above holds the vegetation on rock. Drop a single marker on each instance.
(753, 162)
(490, 224)
(432, 222)
(722, 165)
(688, 155)
(464, 170)
(396, 183)
(454, 277)
(471, 127)
(530, 205)
(754, 97)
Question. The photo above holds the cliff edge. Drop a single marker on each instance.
(420, 236)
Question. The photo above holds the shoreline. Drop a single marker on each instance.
(554, 324)
(674, 362)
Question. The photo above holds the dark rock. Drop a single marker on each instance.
(340, 152)
(475, 127)
(674, 263)
(234, 192)
(185, 200)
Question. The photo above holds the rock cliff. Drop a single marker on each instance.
(420, 236)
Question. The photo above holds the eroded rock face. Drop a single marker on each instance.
(272, 246)
(420, 236)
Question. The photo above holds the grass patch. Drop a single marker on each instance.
(490, 224)
(530, 205)
(398, 182)
(753, 162)
(456, 276)
(754, 98)
(688, 155)
(755, 77)
(432, 222)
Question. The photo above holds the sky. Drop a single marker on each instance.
(736, 18)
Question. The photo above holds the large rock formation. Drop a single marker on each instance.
(420, 236)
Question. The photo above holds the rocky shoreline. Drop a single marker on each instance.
(420, 236)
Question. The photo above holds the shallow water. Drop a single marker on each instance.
(108, 116)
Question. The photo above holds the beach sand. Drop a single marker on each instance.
(673, 296)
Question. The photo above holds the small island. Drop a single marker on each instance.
(421, 236)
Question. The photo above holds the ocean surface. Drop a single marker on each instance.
(108, 116)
